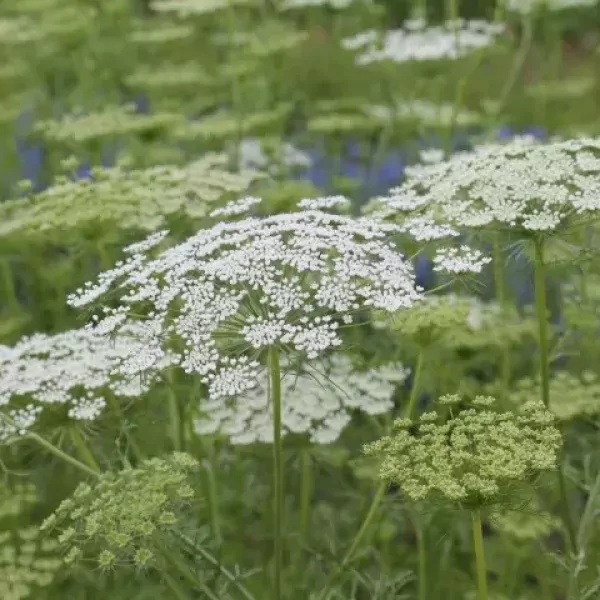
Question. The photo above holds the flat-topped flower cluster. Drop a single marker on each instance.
(233, 290)
(520, 186)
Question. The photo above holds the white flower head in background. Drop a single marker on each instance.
(449, 41)
(252, 156)
(74, 369)
(325, 203)
(236, 289)
(318, 402)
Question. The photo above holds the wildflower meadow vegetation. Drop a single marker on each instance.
(299, 299)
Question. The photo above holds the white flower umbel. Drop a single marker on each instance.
(75, 370)
(285, 280)
(517, 186)
(325, 203)
(318, 401)
(445, 42)
(241, 289)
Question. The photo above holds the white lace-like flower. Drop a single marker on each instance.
(242, 286)
(519, 185)
(418, 42)
(325, 203)
(460, 260)
(318, 402)
(252, 155)
(74, 369)
(236, 207)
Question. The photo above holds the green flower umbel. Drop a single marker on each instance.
(472, 456)
(127, 518)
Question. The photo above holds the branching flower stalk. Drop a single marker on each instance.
(541, 309)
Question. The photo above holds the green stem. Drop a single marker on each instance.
(83, 449)
(209, 558)
(275, 392)
(115, 407)
(379, 494)
(306, 488)
(62, 455)
(172, 584)
(542, 319)
(422, 548)
(211, 487)
(544, 352)
(479, 555)
(8, 285)
(175, 422)
(502, 300)
(416, 385)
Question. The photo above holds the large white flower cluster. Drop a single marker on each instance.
(237, 288)
(74, 369)
(318, 402)
(520, 185)
(418, 42)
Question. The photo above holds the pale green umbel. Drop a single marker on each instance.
(130, 199)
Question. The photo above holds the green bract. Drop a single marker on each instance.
(471, 457)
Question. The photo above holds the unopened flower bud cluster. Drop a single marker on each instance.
(125, 519)
(471, 458)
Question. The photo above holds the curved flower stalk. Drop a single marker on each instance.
(469, 460)
(319, 402)
(241, 293)
(72, 374)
